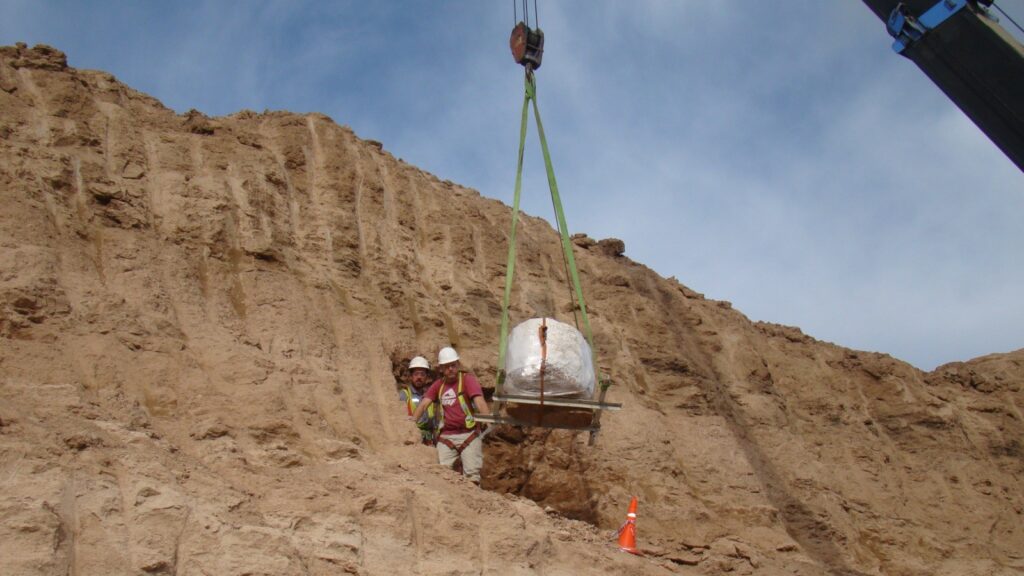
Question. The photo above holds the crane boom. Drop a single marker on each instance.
(978, 65)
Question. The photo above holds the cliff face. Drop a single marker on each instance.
(202, 321)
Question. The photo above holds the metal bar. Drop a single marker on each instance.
(507, 420)
(596, 421)
(561, 402)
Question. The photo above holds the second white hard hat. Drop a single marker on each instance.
(447, 355)
(419, 362)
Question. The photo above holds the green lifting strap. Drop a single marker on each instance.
(563, 230)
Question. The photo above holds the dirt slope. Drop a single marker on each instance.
(201, 324)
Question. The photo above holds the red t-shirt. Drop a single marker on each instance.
(454, 417)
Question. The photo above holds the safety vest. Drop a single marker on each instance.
(470, 421)
(411, 402)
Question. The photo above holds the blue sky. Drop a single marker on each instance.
(777, 155)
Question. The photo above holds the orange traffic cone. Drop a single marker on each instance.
(627, 533)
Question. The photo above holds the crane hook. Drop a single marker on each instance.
(527, 46)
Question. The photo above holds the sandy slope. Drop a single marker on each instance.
(201, 325)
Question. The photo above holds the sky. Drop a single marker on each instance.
(778, 155)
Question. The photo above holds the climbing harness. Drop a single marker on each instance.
(461, 447)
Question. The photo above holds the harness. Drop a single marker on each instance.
(470, 421)
(458, 449)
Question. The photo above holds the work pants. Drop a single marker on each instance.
(472, 455)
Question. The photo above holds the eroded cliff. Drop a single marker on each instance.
(202, 321)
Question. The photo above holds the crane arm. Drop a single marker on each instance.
(973, 60)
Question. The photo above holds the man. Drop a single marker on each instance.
(458, 433)
(412, 393)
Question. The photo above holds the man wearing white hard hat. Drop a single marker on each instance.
(412, 393)
(458, 432)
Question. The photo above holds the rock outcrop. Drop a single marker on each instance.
(202, 321)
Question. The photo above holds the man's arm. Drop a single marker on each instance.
(481, 405)
(476, 395)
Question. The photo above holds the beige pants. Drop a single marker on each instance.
(472, 455)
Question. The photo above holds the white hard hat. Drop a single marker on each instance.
(419, 362)
(447, 355)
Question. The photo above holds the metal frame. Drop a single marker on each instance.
(561, 402)
(594, 406)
